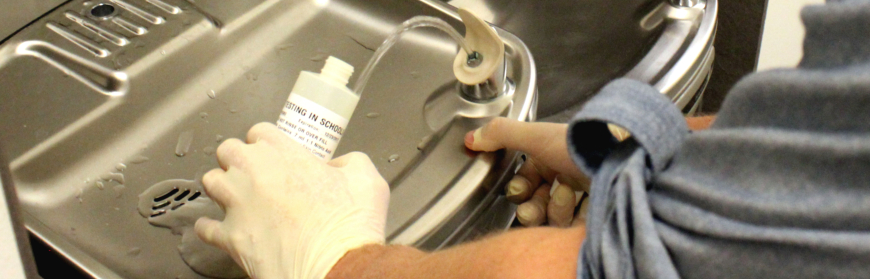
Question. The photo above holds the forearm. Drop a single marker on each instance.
(522, 253)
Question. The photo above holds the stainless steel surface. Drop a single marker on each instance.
(679, 63)
(84, 93)
(579, 46)
(684, 3)
(17, 13)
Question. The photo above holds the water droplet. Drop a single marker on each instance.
(393, 158)
(285, 46)
(79, 195)
(203, 115)
(139, 44)
(184, 141)
(86, 3)
(218, 138)
(100, 185)
(117, 208)
(208, 150)
(162, 52)
(186, 22)
(423, 142)
(211, 94)
(120, 167)
(138, 159)
(234, 110)
(415, 74)
(252, 76)
(113, 176)
(134, 251)
(373, 115)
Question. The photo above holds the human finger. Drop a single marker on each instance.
(534, 212)
(560, 209)
(228, 153)
(580, 216)
(518, 190)
(581, 183)
(545, 142)
(525, 183)
(211, 232)
(268, 132)
(217, 188)
(503, 133)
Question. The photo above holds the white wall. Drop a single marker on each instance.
(783, 34)
(10, 262)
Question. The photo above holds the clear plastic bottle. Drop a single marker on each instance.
(319, 107)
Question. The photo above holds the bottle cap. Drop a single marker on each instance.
(336, 70)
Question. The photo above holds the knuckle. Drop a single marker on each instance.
(210, 178)
(359, 156)
(259, 129)
(229, 146)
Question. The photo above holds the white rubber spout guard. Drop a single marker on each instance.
(480, 37)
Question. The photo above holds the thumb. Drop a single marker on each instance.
(210, 232)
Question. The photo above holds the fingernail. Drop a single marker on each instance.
(476, 136)
(527, 213)
(469, 139)
(563, 196)
(517, 186)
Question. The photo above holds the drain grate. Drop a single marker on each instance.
(172, 200)
(176, 204)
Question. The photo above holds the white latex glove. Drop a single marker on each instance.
(288, 215)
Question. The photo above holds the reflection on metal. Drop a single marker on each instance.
(148, 16)
(579, 46)
(82, 105)
(684, 3)
(79, 40)
(129, 26)
(107, 34)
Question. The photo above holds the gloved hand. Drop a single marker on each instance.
(288, 215)
(548, 163)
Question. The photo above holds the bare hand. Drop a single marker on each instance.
(545, 144)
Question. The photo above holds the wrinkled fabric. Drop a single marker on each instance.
(778, 187)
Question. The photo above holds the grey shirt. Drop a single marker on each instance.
(778, 187)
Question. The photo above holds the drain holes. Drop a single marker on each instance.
(158, 213)
(167, 195)
(182, 195)
(102, 10)
(174, 207)
(194, 196)
(162, 205)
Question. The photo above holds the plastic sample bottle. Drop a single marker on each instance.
(319, 107)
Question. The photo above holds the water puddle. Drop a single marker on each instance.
(183, 145)
(176, 204)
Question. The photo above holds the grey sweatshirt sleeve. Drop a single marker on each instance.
(779, 187)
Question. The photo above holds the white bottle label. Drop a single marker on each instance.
(317, 128)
